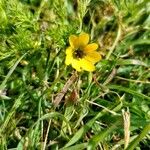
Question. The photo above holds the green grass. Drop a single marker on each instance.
(89, 115)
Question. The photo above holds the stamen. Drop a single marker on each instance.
(78, 53)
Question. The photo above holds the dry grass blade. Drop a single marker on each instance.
(60, 95)
(126, 120)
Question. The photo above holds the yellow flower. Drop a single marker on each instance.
(80, 54)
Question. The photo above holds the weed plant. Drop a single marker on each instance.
(46, 105)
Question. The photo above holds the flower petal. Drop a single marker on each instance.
(90, 47)
(73, 41)
(76, 64)
(93, 57)
(68, 60)
(69, 51)
(69, 56)
(83, 39)
(87, 65)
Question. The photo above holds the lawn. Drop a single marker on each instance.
(74, 74)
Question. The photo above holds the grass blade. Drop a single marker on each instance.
(133, 144)
(120, 88)
(2, 86)
(94, 141)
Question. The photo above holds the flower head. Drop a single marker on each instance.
(80, 54)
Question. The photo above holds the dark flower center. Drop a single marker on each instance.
(78, 53)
